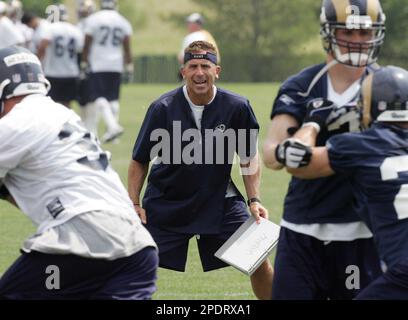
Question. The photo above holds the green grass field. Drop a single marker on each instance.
(226, 283)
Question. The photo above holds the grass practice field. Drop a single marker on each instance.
(226, 283)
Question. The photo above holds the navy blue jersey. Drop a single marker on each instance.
(189, 198)
(325, 200)
(376, 163)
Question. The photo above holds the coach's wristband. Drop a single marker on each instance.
(252, 200)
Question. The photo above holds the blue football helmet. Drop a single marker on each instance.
(20, 74)
(350, 15)
(384, 96)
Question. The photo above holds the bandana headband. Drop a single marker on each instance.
(207, 56)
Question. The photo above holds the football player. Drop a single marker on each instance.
(41, 33)
(15, 13)
(61, 58)
(9, 33)
(375, 161)
(107, 50)
(55, 171)
(89, 113)
(321, 233)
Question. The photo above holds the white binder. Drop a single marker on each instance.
(250, 245)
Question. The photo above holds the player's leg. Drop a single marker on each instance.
(89, 111)
(101, 90)
(355, 265)
(69, 91)
(90, 117)
(133, 278)
(104, 108)
(299, 269)
(111, 84)
(392, 285)
(63, 90)
(41, 276)
(115, 109)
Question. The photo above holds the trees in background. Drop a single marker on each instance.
(395, 49)
(276, 35)
(262, 31)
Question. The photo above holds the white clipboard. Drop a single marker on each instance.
(250, 245)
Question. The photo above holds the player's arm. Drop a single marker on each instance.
(137, 173)
(127, 50)
(279, 129)
(251, 175)
(42, 48)
(315, 160)
(87, 47)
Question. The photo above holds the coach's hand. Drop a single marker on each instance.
(293, 153)
(141, 213)
(258, 211)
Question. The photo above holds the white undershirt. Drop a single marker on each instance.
(198, 114)
(334, 231)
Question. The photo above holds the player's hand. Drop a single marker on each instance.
(129, 73)
(319, 110)
(293, 153)
(141, 213)
(258, 211)
(83, 70)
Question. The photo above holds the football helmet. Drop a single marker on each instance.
(20, 74)
(15, 10)
(384, 96)
(108, 4)
(85, 8)
(351, 15)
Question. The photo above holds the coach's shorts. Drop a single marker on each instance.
(34, 276)
(104, 85)
(173, 247)
(63, 89)
(392, 285)
(310, 269)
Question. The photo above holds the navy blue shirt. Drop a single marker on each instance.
(325, 200)
(376, 163)
(189, 198)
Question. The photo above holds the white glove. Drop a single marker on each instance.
(293, 153)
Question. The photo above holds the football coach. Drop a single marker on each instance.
(192, 135)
